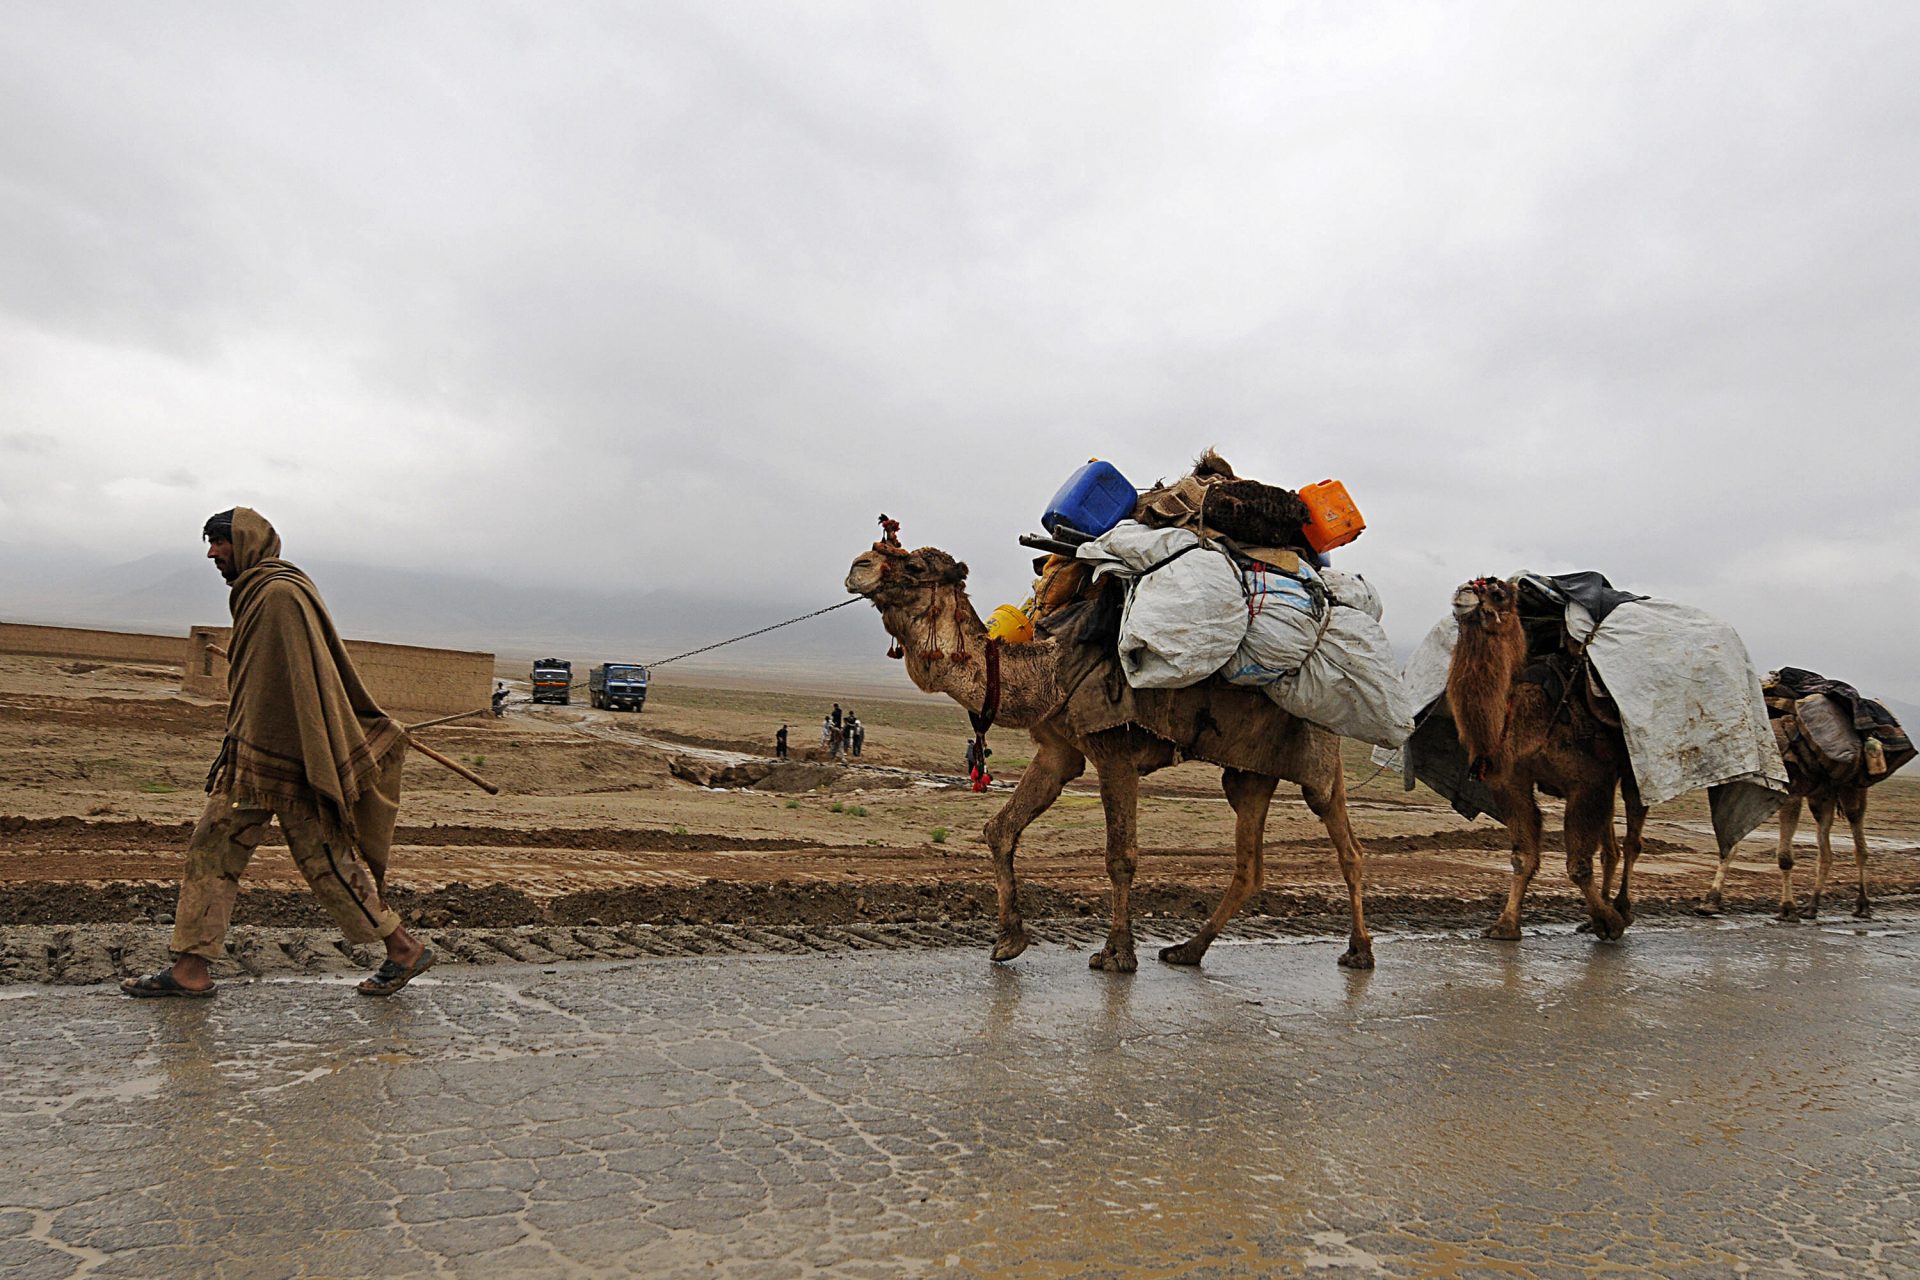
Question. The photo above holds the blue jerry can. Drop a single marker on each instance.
(1093, 500)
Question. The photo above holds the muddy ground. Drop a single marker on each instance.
(604, 844)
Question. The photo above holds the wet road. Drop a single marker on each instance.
(1715, 1099)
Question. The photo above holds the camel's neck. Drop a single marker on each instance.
(945, 645)
(1480, 684)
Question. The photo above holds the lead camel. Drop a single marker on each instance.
(924, 606)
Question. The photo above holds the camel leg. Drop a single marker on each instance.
(1636, 826)
(1054, 765)
(1120, 797)
(1711, 904)
(1250, 794)
(1330, 806)
(1523, 825)
(1854, 805)
(1822, 807)
(1789, 823)
(1609, 863)
(1589, 814)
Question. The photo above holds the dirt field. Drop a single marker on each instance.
(597, 848)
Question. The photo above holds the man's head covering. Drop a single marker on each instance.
(219, 527)
(253, 539)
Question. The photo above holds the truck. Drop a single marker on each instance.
(553, 680)
(618, 686)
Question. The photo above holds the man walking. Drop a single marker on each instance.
(306, 745)
(780, 744)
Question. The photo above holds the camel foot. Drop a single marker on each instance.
(1188, 952)
(1011, 943)
(1707, 906)
(1501, 931)
(1108, 960)
(1356, 957)
(1609, 927)
(1585, 926)
(1787, 913)
(1863, 910)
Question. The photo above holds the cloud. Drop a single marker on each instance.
(697, 291)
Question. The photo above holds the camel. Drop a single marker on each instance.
(1522, 736)
(1811, 781)
(1823, 795)
(924, 606)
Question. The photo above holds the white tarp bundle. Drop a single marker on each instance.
(1347, 683)
(1312, 641)
(1184, 614)
(1689, 698)
(1690, 704)
(1284, 616)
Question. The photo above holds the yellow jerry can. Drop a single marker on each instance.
(1009, 625)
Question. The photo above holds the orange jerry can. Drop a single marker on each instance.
(1332, 519)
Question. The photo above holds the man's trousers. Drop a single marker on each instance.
(223, 843)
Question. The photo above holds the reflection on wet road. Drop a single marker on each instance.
(1701, 1100)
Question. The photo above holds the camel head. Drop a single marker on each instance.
(890, 574)
(1484, 602)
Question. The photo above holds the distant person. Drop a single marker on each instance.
(780, 744)
(499, 700)
(837, 741)
(305, 745)
(836, 715)
(977, 754)
(826, 732)
(859, 736)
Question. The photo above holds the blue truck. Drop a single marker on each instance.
(618, 686)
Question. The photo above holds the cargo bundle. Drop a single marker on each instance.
(1218, 576)
(1829, 730)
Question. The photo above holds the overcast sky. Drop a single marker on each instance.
(683, 295)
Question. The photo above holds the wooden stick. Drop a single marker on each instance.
(428, 724)
(423, 748)
(454, 765)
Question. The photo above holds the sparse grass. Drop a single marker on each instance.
(857, 810)
(793, 804)
(939, 835)
(152, 788)
(836, 807)
(678, 830)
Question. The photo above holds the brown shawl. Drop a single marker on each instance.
(300, 725)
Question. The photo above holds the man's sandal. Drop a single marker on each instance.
(163, 983)
(390, 977)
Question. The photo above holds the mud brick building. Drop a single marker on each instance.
(401, 677)
(102, 646)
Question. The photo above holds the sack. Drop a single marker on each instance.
(1321, 655)
(1184, 614)
(1353, 591)
(1826, 725)
(1285, 612)
(1349, 683)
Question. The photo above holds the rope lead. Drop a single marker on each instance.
(749, 635)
